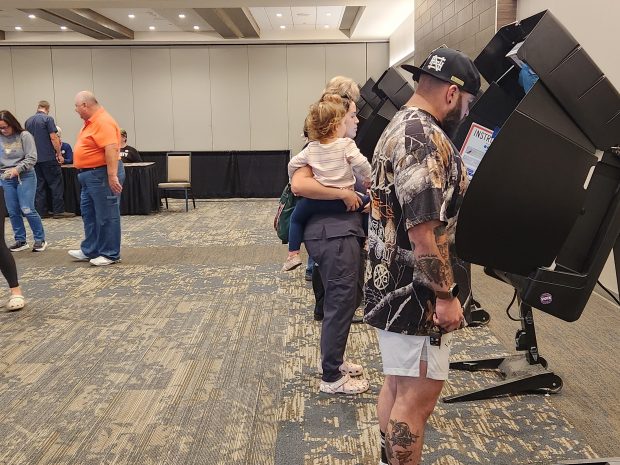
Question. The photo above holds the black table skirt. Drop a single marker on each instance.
(233, 174)
(139, 196)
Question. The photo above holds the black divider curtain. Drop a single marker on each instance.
(232, 174)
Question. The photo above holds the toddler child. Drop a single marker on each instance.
(334, 159)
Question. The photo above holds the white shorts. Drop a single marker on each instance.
(402, 353)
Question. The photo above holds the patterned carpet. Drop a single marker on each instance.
(197, 350)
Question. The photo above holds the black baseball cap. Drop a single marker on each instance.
(451, 66)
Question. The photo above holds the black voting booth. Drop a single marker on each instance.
(542, 212)
(379, 102)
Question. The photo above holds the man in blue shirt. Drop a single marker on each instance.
(49, 158)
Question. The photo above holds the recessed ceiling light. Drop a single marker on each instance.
(196, 28)
(282, 27)
(18, 28)
(152, 28)
(328, 14)
(279, 15)
(32, 16)
(182, 16)
(64, 28)
(131, 15)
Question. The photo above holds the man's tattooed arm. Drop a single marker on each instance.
(429, 243)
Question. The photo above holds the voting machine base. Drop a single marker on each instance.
(522, 373)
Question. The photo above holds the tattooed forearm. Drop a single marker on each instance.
(432, 265)
(399, 441)
(435, 271)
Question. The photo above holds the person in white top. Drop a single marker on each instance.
(335, 162)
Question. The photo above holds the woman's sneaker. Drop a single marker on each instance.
(39, 246)
(345, 385)
(18, 246)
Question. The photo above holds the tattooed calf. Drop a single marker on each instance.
(400, 436)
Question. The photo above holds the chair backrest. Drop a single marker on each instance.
(179, 166)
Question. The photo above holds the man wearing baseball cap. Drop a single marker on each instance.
(411, 297)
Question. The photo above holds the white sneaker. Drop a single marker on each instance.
(103, 261)
(78, 254)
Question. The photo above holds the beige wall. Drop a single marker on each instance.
(200, 98)
(594, 27)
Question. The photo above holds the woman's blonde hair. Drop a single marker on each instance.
(343, 86)
(325, 116)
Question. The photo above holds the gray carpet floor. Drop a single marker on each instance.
(195, 349)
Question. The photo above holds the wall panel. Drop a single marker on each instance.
(268, 95)
(306, 81)
(7, 94)
(200, 98)
(152, 97)
(230, 98)
(377, 59)
(32, 80)
(72, 73)
(346, 60)
(113, 86)
(191, 98)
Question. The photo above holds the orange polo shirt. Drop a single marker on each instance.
(99, 130)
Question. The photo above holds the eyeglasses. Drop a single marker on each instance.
(4, 128)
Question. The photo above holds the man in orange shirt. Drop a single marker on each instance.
(101, 176)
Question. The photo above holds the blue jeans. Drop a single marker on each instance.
(305, 208)
(19, 193)
(100, 214)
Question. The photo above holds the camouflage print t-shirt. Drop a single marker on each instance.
(418, 176)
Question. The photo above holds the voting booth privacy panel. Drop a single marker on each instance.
(541, 211)
(379, 102)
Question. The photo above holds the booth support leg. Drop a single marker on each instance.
(521, 373)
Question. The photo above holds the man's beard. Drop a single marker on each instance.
(452, 120)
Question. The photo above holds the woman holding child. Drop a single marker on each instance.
(334, 241)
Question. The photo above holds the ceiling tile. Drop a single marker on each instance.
(276, 21)
(304, 15)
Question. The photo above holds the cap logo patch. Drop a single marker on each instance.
(457, 81)
(436, 62)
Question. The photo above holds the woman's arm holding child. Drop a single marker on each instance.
(304, 184)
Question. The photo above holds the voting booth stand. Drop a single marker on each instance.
(542, 212)
(378, 104)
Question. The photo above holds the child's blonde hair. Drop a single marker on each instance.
(325, 116)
